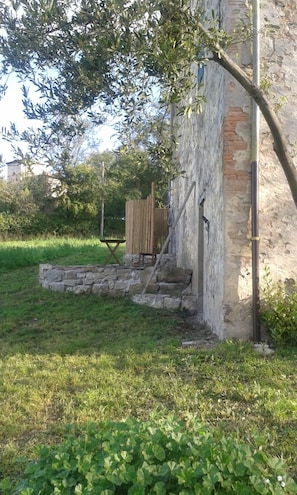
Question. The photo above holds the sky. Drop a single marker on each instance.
(11, 111)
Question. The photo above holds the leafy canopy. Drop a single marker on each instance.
(90, 58)
(87, 58)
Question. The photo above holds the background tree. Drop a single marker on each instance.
(20, 215)
(16, 197)
(77, 193)
(41, 188)
(56, 204)
(128, 174)
(2, 164)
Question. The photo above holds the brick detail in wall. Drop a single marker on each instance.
(235, 167)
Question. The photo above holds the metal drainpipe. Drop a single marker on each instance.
(255, 177)
(171, 247)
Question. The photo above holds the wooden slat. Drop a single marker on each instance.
(160, 228)
(146, 227)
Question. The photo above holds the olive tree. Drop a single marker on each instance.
(88, 58)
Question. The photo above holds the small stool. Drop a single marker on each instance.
(142, 256)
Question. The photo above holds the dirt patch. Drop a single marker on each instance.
(194, 334)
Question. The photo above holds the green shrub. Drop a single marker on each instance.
(279, 312)
(16, 225)
(114, 227)
(13, 225)
(20, 225)
(154, 457)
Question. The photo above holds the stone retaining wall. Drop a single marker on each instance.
(169, 288)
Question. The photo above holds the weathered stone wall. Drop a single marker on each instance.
(169, 288)
(237, 187)
(86, 279)
(278, 216)
(214, 149)
(200, 232)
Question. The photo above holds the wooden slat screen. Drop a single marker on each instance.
(141, 235)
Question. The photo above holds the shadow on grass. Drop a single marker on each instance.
(72, 359)
(38, 321)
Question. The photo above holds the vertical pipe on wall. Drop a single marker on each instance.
(171, 246)
(152, 215)
(255, 176)
(102, 200)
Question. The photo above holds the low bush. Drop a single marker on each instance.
(279, 312)
(13, 225)
(151, 457)
(19, 226)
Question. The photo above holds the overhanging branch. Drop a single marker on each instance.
(280, 142)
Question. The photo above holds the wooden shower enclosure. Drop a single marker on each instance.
(146, 226)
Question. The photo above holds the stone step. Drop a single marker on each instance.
(174, 275)
(163, 301)
(172, 289)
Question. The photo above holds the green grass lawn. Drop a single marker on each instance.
(66, 358)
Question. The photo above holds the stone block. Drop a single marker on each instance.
(70, 274)
(145, 274)
(187, 291)
(135, 275)
(111, 284)
(121, 285)
(111, 268)
(44, 284)
(90, 278)
(54, 275)
(131, 260)
(99, 277)
(189, 303)
(149, 300)
(71, 283)
(57, 287)
(124, 273)
(80, 289)
(80, 275)
(101, 289)
(135, 288)
(167, 261)
(45, 267)
(152, 288)
(111, 276)
(172, 302)
(157, 301)
(175, 275)
(173, 289)
(89, 268)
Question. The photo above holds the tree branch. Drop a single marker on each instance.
(280, 142)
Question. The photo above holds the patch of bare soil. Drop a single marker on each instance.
(193, 333)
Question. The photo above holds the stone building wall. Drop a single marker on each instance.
(278, 216)
(200, 232)
(237, 187)
(214, 149)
